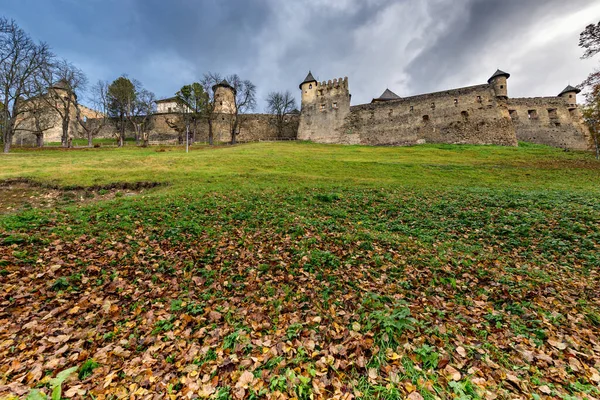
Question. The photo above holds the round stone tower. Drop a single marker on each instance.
(570, 95)
(309, 89)
(224, 98)
(498, 81)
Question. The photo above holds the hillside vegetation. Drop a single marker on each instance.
(296, 270)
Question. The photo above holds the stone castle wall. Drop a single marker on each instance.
(253, 127)
(461, 116)
(52, 118)
(481, 114)
(550, 121)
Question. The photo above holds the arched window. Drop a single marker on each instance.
(310, 86)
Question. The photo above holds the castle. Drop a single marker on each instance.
(481, 114)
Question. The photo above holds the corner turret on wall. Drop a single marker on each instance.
(498, 81)
(309, 89)
(570, 95)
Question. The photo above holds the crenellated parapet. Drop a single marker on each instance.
(336, 83)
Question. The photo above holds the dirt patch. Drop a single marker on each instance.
(22, 194)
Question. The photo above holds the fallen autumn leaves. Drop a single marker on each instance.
(350, 300)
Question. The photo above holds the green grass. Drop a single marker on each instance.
(277, 165)
(315, 267)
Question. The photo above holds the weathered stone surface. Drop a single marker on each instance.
(552, 121)
(482, 114)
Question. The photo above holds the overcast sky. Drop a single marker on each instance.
(410, 46)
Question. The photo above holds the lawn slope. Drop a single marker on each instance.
(298, 270)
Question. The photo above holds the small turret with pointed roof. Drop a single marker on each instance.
(387, 95)
(309, 79)
(498, 81)
(62, 84)
(498, 73)
(570, 89)
(223, 84)
(570, 95)
(309, 89)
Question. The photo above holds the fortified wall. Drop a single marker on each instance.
(41, 115)
(482, 114)
(170, 126)
(553, 121)
(253, 128)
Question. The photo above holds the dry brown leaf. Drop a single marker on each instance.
(453, 373)
(545, 389)
(415, 396)
(245, 379)
(214, 316)
(461, 351)
(558, 344)
(206, 391)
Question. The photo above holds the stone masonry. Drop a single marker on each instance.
(482, 114)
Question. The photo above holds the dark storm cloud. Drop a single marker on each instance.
(476, 44)
(410, 46)
(211, 32)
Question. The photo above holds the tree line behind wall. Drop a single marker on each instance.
(39, 90)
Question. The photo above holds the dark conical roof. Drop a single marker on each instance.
(569, 89)
(224, 84)
(387, 95)
(62, 84)
(309, 78)
(499, 73)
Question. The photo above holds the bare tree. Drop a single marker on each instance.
(22, 62)
(99, 101)
(591, 115)
(64, 82)
(589, 40)
(245, 100)
(192, 102)
(208, 81)
(139, 112)
(2, 119)
(178, 124)
(37, 118)
(280, 104)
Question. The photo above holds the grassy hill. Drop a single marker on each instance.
(287, 270)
